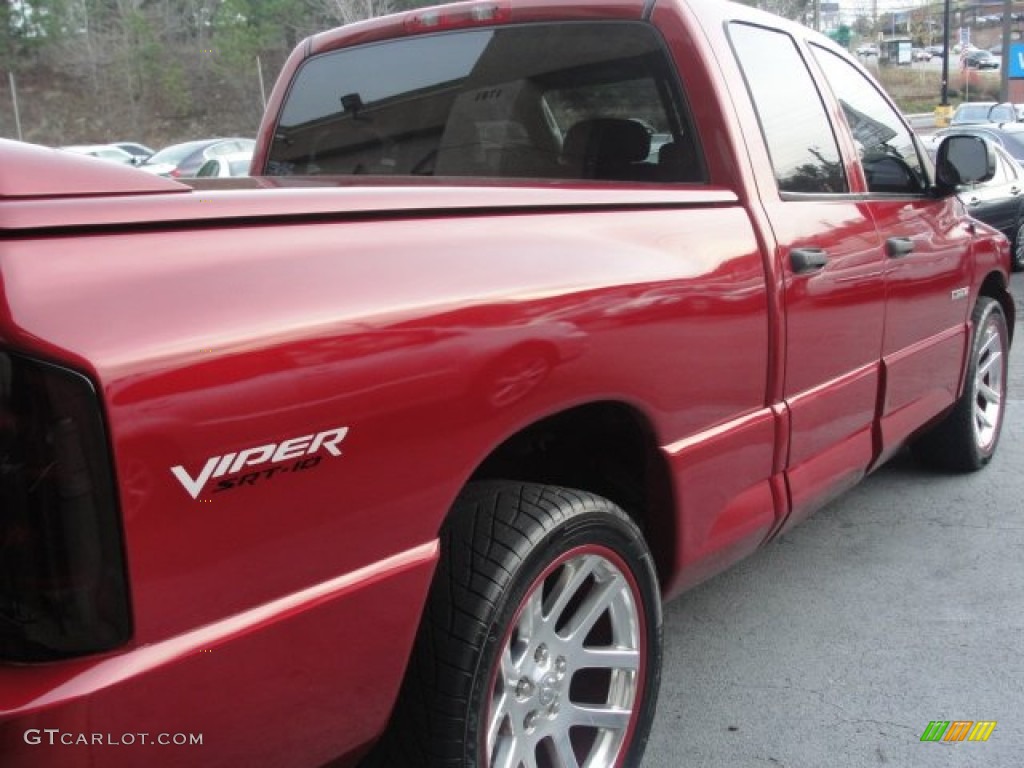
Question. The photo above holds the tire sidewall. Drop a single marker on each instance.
(605, 529)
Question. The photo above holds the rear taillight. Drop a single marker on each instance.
(63, 590)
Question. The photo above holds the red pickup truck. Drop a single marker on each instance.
(536, 314)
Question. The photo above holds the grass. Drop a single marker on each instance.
(919, 90)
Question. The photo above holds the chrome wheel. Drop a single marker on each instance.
(540, 644)
(989, 386)
(570, 669)
(965, 439)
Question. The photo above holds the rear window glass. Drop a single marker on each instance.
(571, 101)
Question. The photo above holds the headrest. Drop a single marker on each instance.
(607, 138)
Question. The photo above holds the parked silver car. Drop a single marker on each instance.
(103, 152)
(187, 158)
(235, 164)
(980, 112)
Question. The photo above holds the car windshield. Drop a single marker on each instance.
(175, 153)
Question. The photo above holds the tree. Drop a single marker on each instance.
(790, 9)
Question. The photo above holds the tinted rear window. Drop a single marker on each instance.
(576, 101)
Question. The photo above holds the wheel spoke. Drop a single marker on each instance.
(989, 395)
(509, 668)
(983, 419)
(531, 620)
(994, 359)
(572, 577)
(598, 601)
(564, 753)
(514, 748)
(498, 718)
(605, 718)
(507, 755)
(607, 658)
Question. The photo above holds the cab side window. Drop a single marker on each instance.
(796, 128)
(888, 152)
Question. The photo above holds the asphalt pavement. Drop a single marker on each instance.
(899, 604)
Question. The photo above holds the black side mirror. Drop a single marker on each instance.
(963, 160)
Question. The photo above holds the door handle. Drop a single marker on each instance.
(1014, 191)
(974, 201)
(898, 247)
(808, 259)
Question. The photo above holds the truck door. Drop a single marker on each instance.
(927, 246)
(830, 265)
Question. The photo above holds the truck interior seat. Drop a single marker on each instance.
(608, 148)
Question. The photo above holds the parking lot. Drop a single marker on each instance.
(899, 604)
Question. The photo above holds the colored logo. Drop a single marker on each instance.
(958, 730)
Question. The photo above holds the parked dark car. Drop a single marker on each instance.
(185, 159)
(999, 202)
(978, 59)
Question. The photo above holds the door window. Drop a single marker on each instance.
(888, 152)
(796, 128)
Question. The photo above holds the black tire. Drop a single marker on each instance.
(1017, 248)
(503, 544)
(966, 438)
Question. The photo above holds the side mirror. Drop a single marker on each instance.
(963, 160)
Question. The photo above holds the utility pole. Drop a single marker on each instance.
(1004, 67)
(943, 112)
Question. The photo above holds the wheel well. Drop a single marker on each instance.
(605, 448)
(995, 287)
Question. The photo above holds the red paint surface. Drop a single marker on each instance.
(218, 321)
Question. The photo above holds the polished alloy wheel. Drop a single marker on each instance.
(541, 642)
(989, 386)
(568, 675)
